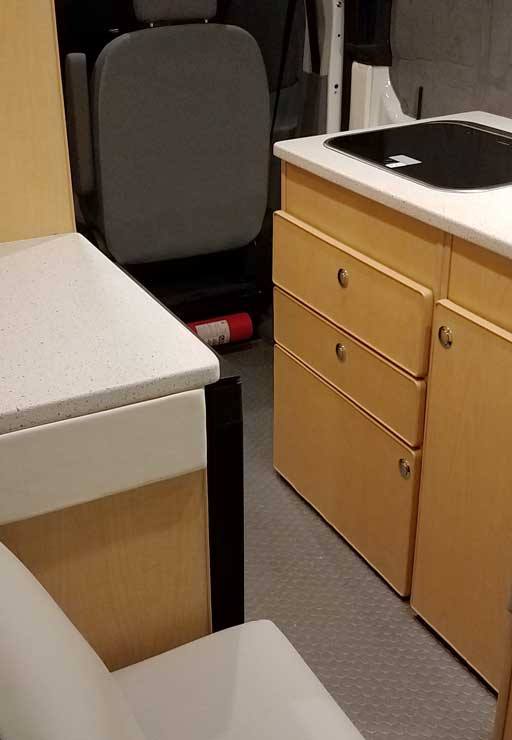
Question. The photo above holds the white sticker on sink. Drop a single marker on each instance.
(401, 160)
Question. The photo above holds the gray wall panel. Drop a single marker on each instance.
(459, 50)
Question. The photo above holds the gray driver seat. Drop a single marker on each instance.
(169, 140)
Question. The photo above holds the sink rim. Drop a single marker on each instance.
(398, 171)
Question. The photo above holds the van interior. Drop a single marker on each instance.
(256, 365)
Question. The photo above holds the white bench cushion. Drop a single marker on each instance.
(246, 683)
(53, 686)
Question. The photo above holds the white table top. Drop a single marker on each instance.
(484, 217)
(78, 336)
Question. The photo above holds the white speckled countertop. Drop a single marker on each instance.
(484, 217)
(78, 336)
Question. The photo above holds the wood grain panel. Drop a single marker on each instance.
(503, 722)
(35, 187)
(283, 185)
(463, 573)
(481, 281)
(347, 467)
(405, 244)
(130, 570)
(383, 309)
(384, 391)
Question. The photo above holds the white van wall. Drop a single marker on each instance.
(373, 101)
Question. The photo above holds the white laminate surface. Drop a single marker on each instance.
(54, 466)
(484, 217)
(78, 336)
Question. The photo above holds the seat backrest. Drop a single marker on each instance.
(265, 20)
(53, 686)
(181, 135)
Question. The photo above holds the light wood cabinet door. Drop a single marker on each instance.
(383, 309)
(463, 565)
(503, 722)
(348, 467)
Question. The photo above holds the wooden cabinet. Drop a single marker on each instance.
(503, 723)
(352, 273)
(35, 192)
(348, 467)
(463, 569)
(347, 311)
(481, 281)
(413, 248)
(387, 311)
(130, 570)
(393, 396)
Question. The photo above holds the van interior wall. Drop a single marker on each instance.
(458, 50)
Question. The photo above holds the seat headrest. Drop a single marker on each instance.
(149, 11)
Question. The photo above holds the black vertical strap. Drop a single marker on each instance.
(314, 46)
(287, 33)
(224, 428)
(314, 41)
(419, 106)
(223, 10)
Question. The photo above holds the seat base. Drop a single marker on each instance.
(245, 682)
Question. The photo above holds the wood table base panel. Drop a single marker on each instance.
(130, 570)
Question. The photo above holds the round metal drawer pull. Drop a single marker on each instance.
(343, 277)
(445, 335)
(405, 468)
(341, 352)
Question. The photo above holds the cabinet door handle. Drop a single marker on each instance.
(341, 352)
(405, 468)
(343, 277)
(445, 335)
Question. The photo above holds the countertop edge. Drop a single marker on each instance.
(109, 400)
(287, 151)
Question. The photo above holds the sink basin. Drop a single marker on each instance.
(451, 155)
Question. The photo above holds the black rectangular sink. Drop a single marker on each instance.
(452, 155)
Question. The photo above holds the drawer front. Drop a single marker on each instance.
(481, 281)
(394, 397)
(390, 313)
(348, 467)
(403, 243)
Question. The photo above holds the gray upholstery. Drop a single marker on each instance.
(462, 55)
(79, 124)
(147, 11)
(181, 129)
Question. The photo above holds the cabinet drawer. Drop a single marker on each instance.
(390, 313)
(481, 281)
(409, 246)
(386, 392)
(348, 467)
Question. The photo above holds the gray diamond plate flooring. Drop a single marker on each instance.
(392, 677)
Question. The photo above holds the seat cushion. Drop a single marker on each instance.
(53, 686)
(245, 683)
